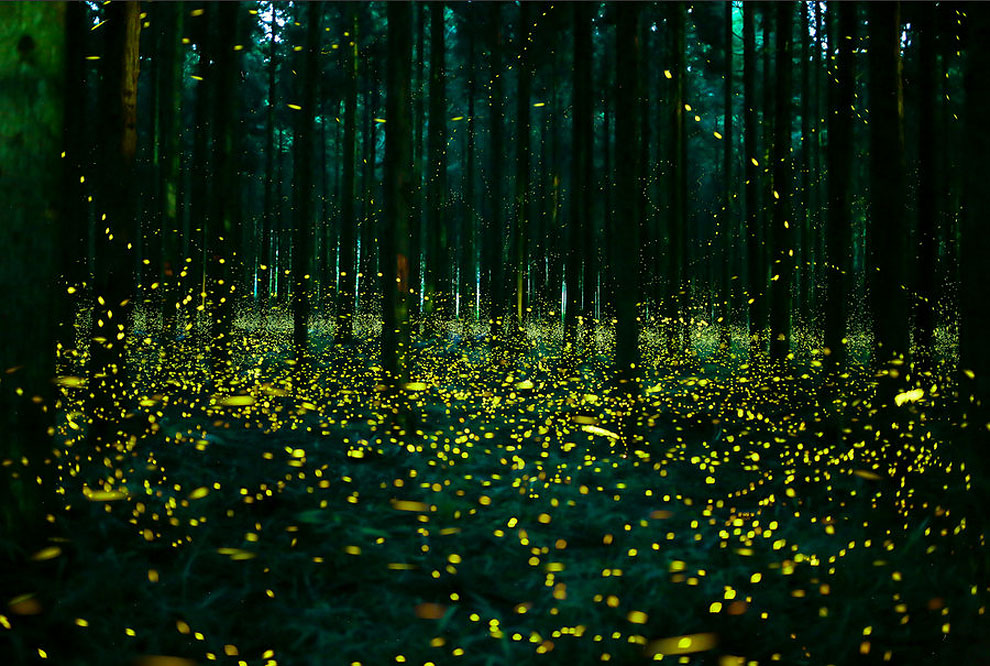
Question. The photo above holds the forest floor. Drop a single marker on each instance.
(734, 514)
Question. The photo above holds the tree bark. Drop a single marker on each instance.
(394, 239)
(302, 183)
(224, 223)
(348, 221)
(580, 155)
(782, 269)
(520, 227)
(756, 274)
(625, 262)
(887, 193)
(927, 188)
(114, 281)
(268, 223)
(838, 247)
(974, 353)
(32, 74)
(437, 263)
(495, 251)
(678, 332)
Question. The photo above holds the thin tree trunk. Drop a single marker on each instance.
(580, 154)
(782, 280)
(302, 183)
(437, 263)
(927, 188)
(756, 277)
(728, 210)
(520, 227)
(469, 249)
(495, 250)
(268, 217)
(348, 221)
(171, 155)
(805, 250)
(838, 248)
(678, 333)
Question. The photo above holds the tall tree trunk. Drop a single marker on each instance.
(805, 249)
(268, 223)
(495, 247)
(417, 241)
(725, 300)
(437, 263)
(766, 178)
(678, 333)
(201, 184)
(32, 75)
(302, 182)
(627, 174)
(469, 249)
(74, 209)
(114, 281)
(974, 354)
(886, 232)
(367, 259)
(782, 281)
(398, 195)
(520, 227)
(756, 274)
(927, 188)
(348, 220)
(170, 113)
(580, 155)
(607, 289)
(224, 224)
(838, 247)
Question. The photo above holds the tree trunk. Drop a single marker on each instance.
(927, 189)
(348, 220)
(394, 240)
(302, 182)
(838, 248)
(32, 75)
(580, 155)
(756, 275)
(417, 238)
(437, 261)
(627, 174)
(469, 251)
(974, 354)
(725, 300)
(114, 281)
(886, 232)
(495, 236)
(520, 228)
(678, 333)
(782, 269)
(74, 209)
(224, 224)
(170, 113)
(268, 217)
(805, 249)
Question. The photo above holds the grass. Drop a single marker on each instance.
(737, 513)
